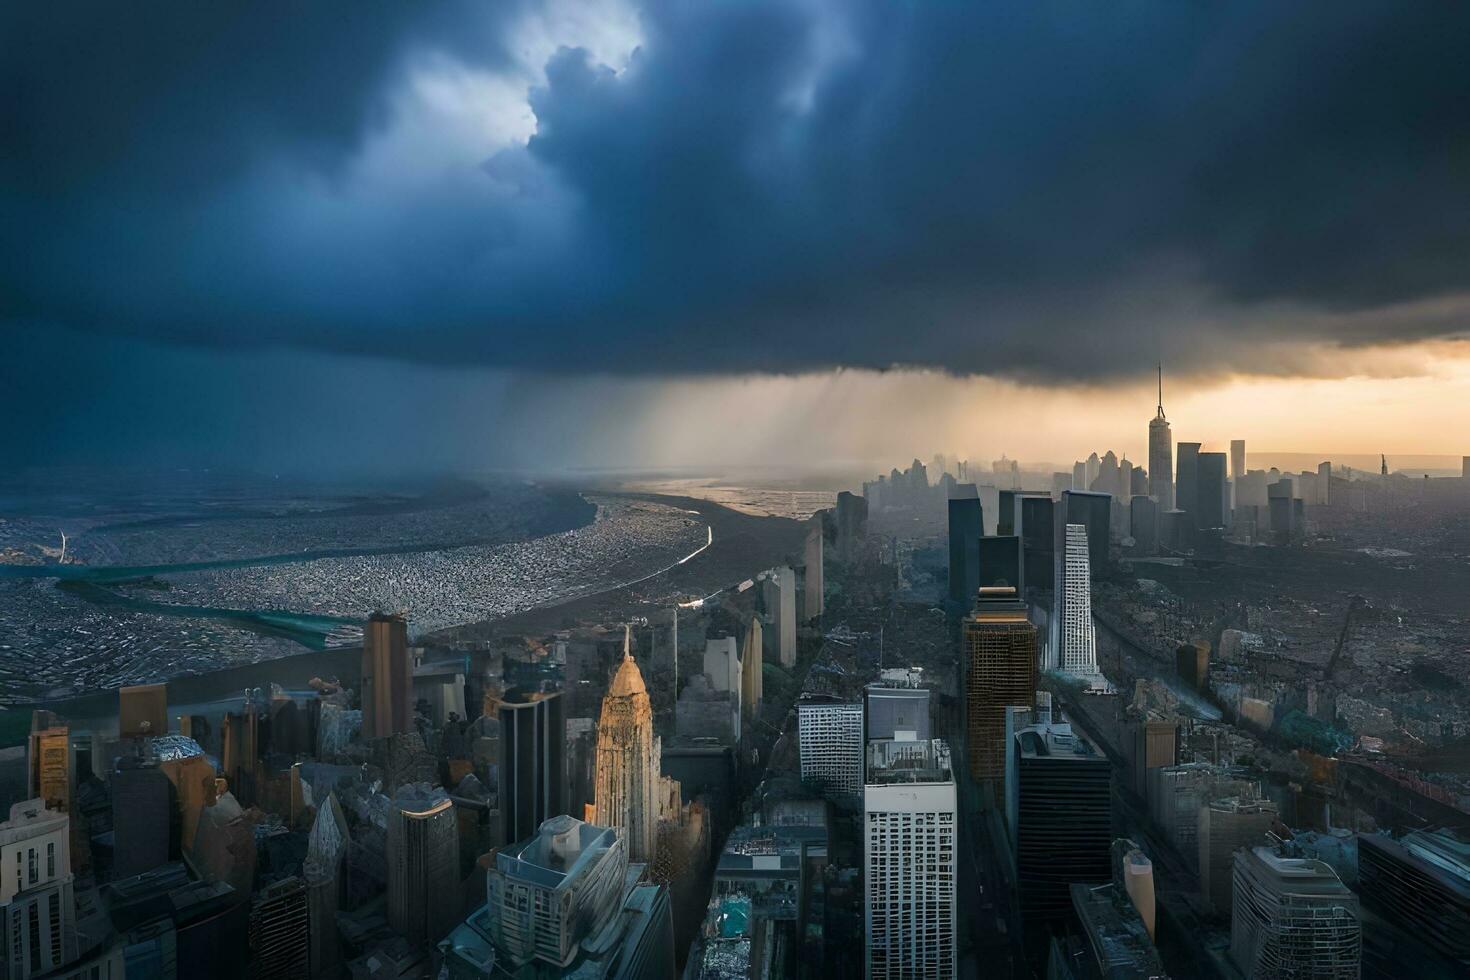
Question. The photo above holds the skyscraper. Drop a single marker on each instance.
(752, 655)
(830, 738)
(532, 769)
(1161, 455)
(966, 525)
(626, 787)
(1225, 826)
(1237, 467)
(323, 871)
(909, 860)
(423, 864)
(1000, 563)
(1214, 492)
(778, 595)
(140, 817)
(726, 675)
(1293, 919)
(387, 677)
(1062, 820)
(1186, 490)
(1000, 671)
(1094, 512)
(1073, 646)
(1038, 541)
(279, 927)
(37, 907)
(813, 601)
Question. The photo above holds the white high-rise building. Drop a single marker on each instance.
(830, 732)
(37, 908)
(1073, 642)
(1293, 918)
(909, 860)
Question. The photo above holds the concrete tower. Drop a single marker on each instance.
(627, 760)
(1161, 455)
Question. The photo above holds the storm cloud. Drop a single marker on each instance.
(1048, 191)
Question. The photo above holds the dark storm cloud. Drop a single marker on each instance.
(1047, 190)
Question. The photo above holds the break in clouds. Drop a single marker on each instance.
(1049, 191)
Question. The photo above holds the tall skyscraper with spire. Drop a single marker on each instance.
(626, 790)
(1161, 454)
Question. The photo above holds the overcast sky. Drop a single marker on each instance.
(513, 233)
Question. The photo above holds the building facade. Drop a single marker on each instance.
(37, 905)
(909, 860)
(387, 677)
(625, 793)
(830, 733)
(1000, 650)
(1293, 919)
(1073, 646)
(532, 771)
(423, 864)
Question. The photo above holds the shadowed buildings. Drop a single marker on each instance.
(532, 769)
(423, 864)
(1062, 815)
(1186, 487)
(387, 677)
(966, 525)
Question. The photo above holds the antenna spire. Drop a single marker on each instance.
(1161, 389)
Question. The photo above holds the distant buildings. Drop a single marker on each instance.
(1160, 455)
(387, 677)
(752, 681)
(813, 599)
(966, 526)
(1062, 815)
(142, 710)
(1293, 919)
(1213, 490)
(37, 907)
(532, 770)
(830, 733)
(423, 864)
(1186, 487)
(999, 644)
(626, 786)
(910, 840)
(565, 903)
(778, 595)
